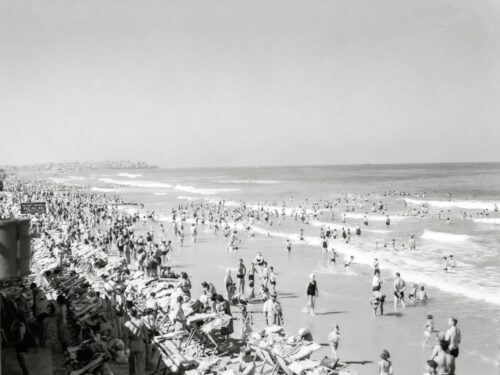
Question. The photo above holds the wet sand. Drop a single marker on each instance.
(344, 300)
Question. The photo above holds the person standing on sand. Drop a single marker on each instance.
(376, 281)
(229, 284)
(242, 271)
(251, 280)
(135, 340)
(288, 245)
(399, 291)
(312, 293)
(411, 243)
(272, 278)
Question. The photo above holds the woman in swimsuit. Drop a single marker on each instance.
(311, 293)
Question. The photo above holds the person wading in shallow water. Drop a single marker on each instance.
(399, 290)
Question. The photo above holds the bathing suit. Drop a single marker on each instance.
(400, 295)
(311, 288)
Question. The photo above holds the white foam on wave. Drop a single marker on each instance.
(490, 220)
(257, 182)
(371, 216)
(339, 226)
(202, 191)
(131, 175)
(137, 183)
(421, 271)
(464, 204)
(159, 193)
(444, 237)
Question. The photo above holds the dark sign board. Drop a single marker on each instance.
(33, 208)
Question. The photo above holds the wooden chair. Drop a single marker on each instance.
(266, 360)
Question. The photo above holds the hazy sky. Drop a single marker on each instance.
(215, 83)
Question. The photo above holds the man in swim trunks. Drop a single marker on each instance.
(242, 271)
(399, 290)
(454, 337)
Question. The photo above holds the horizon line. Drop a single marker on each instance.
(159, 166)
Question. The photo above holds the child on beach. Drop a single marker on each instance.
(348, 261)
(378, 302)
(412, 296)
(429, 331)
(385, 366)
(334, 339)
(422, 295)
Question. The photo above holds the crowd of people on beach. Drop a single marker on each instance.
(140, 240)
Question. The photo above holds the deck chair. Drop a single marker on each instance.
(284, 366)
(267, 360)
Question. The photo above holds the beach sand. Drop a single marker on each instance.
(345, 295)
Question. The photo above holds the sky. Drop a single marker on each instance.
(249, 83)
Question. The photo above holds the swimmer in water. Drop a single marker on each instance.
(451, 263)
(348, 261)
(422, 295)
(333, 256)
(412, 296)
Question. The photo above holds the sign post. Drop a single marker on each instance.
(33, 208)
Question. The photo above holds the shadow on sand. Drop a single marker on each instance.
(396, 314)
(357, 362)
(287, 295)
(331, 312)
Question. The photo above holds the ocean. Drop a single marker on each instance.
(451, 209)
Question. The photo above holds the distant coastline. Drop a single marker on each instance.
(78, 166)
